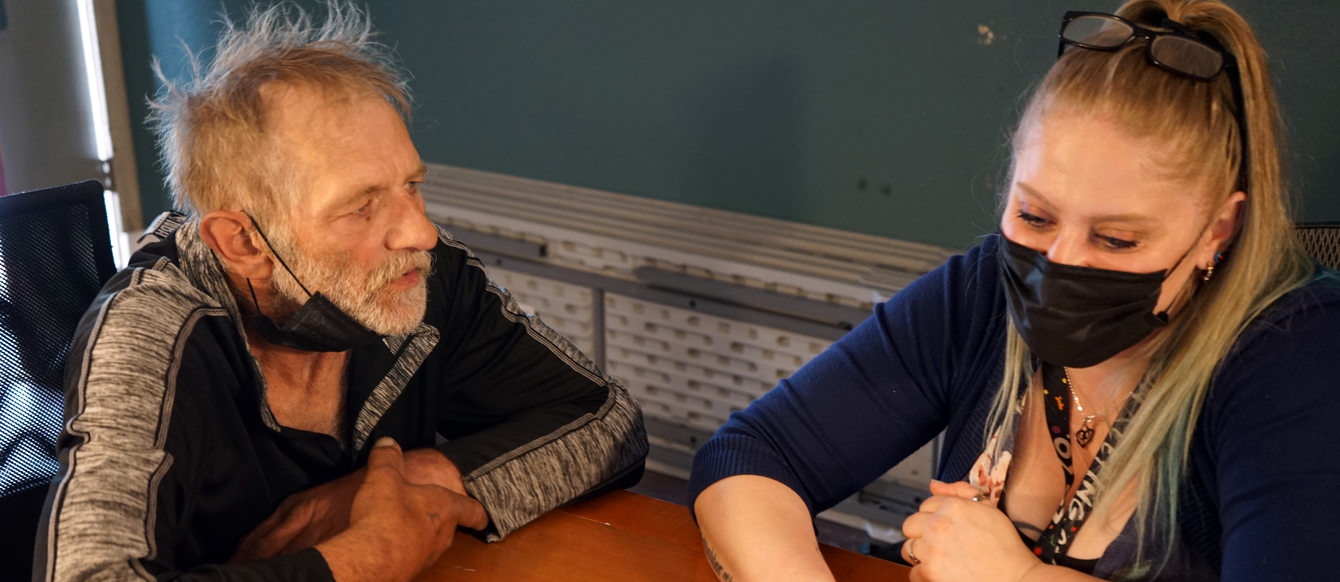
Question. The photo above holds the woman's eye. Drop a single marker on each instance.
(1032, 220)
(1116, 243)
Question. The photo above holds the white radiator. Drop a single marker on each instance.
(697, 311)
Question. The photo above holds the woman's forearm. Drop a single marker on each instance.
(1050, 573)
(756, 528)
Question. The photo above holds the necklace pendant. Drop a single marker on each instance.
(1084, 435)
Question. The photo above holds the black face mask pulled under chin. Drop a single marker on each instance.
(1078, 316)
(317, 326)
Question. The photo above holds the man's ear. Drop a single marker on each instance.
(228, 233)
(1224, 226)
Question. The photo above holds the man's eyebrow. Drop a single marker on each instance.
(357, 195)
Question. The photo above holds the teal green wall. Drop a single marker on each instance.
(883, 117)
(158, 29)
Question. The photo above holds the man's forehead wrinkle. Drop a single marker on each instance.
(305, 124)
(323, 136)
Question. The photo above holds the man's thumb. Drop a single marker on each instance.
(386, 453)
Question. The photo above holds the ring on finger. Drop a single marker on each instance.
(911, 557)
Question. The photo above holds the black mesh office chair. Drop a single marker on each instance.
(55, 253)
(1322, 241)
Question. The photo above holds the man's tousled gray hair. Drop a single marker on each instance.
(212, 128)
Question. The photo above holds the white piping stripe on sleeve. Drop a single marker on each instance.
(70, 468)
(106, 506)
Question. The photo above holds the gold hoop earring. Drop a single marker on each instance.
(1209, 271)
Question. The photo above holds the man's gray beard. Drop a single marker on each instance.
(374, 304)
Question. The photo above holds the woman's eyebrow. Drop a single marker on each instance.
(1132, 218)
(1033, 192)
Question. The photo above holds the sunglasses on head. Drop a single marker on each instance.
(1176, 49)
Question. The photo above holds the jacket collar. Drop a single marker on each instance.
(203, 268)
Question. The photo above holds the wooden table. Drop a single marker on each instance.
(621, 537)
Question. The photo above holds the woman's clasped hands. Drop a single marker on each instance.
(957, 537)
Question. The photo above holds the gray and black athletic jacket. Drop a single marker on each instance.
(170, 453)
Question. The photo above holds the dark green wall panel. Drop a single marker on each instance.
(882, 117)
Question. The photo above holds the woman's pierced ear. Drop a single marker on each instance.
(1209, 271)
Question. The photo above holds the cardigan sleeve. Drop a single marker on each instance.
(1272, 446)
(873, 397)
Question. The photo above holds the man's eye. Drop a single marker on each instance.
(364, 209)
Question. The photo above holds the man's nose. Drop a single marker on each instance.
(412, 230)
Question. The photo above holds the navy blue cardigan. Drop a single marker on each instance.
(1260, 498)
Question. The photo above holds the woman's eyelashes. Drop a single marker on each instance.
(1033, 220)
(1107, 242)
(1116, 244)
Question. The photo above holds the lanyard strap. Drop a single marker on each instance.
(1071, 515)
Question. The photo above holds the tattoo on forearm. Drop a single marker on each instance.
(716, 565)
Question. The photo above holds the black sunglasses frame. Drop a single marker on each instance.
(1140, 32)
(1229, 63)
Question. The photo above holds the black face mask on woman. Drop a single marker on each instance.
(1078, 316)
(317, 326)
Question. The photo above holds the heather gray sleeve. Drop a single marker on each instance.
(594, 451)
(122, 498)
(531, 422)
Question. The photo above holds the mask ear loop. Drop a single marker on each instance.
(276, 254)
(1166, 274)
(1164, 315)
(253, 298)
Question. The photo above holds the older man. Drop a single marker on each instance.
(305, 320)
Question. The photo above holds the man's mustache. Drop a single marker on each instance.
(397, 266)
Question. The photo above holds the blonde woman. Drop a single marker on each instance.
(1134, 377)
